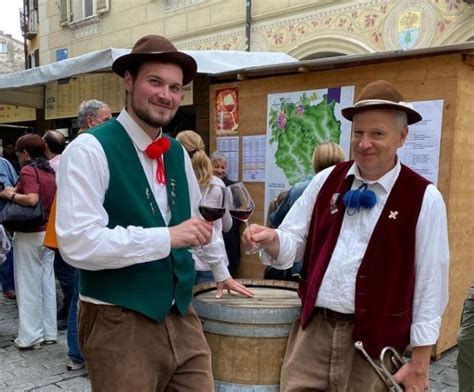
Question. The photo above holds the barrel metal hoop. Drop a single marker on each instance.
(245, 315)
(248, 331)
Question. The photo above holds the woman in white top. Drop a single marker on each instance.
(202, 166)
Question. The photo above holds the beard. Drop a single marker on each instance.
(155, 121)
(152, 120)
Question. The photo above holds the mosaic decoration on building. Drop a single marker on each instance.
(409, 25)
(387, 26)
(364, 21)
(376, 25)
(228, 40)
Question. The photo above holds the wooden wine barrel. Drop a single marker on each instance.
(248, 336)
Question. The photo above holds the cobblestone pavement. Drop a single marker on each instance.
(45, 369)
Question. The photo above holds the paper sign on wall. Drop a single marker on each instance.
(229, 147)
(253, 158)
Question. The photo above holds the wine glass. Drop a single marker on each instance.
(212, 204)
(241, 206)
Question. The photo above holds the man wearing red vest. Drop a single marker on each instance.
(373, 236)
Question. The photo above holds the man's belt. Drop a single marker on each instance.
(332, 315)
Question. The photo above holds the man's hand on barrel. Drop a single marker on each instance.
(257, 235)
(232, 285)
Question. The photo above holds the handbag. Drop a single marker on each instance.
(15, 217)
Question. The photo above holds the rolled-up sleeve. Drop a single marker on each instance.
(432, 269)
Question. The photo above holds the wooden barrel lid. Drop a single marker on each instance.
(264, 297)
(274, 302)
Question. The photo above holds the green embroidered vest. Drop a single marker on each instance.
(148, 288)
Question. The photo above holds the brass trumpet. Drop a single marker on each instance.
(395, 359)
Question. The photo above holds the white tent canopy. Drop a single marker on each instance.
(26, 88)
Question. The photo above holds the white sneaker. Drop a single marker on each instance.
(35, 346)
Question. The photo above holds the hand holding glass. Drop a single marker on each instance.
(241, 207)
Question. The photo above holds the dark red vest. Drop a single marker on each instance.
(386, 277)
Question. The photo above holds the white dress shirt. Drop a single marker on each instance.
(337, 291)
(54, 162)
(85, 240)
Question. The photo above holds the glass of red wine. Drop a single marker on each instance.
(241, 206)
(212, 204)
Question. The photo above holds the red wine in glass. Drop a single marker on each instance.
(211, 213)
(242, 215)
(241, 206)
(212, 205)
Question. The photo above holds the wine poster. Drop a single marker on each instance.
(227, 111)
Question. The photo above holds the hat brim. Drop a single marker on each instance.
(412, 115)
(184, 61)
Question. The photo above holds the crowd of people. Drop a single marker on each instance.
(123, 206)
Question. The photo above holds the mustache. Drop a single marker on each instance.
(164, 102)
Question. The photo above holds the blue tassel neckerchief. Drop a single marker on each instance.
(361, 197)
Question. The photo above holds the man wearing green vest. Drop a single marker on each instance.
(127, 215)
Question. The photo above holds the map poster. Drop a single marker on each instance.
(296, 123)
(227, 111)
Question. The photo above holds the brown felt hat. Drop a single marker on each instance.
(381, 95)
(156, 48)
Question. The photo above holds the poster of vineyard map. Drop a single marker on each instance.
(296, 123)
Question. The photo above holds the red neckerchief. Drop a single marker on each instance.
(155, 150)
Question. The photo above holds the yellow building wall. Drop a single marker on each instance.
(298, 27)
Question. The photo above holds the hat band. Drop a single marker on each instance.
(369, 102)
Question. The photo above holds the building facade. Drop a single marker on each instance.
(29, 20)
(12, 54)
(304, 29)
(12, 59)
